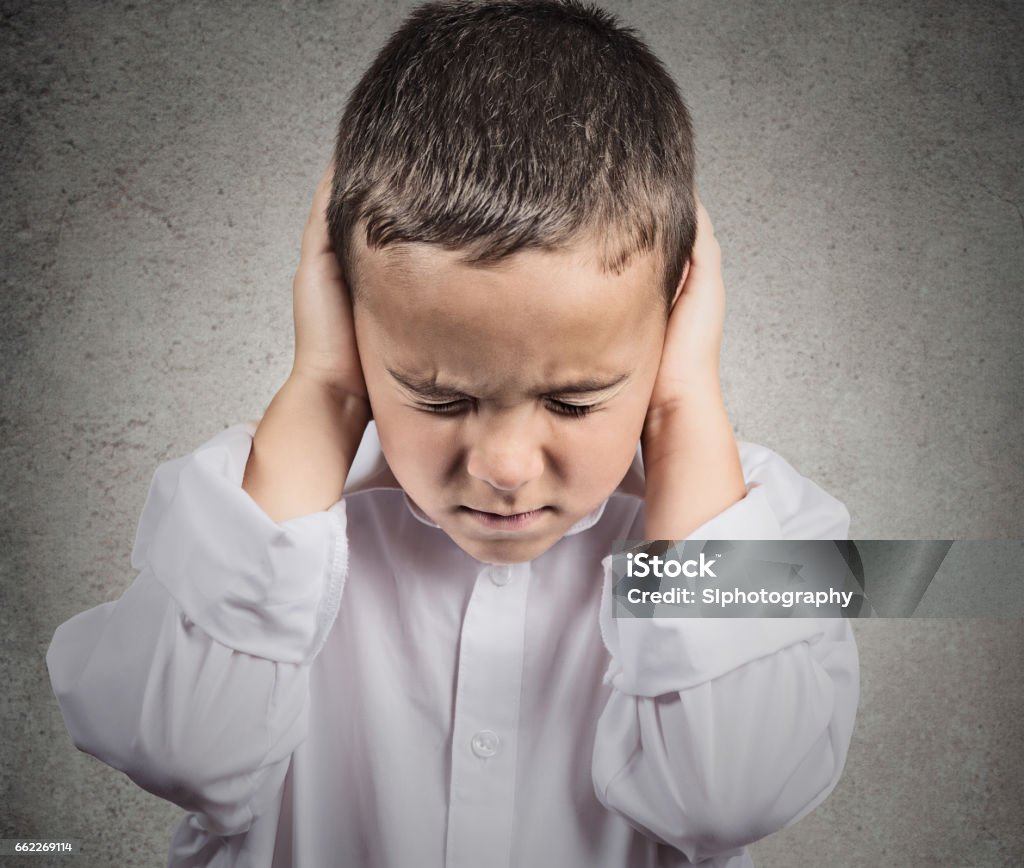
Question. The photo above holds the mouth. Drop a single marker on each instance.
(505, 521)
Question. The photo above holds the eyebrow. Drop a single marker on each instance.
(429, 388)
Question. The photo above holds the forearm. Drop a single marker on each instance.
(221, 624)
(204, 744)
(725, 760)
(691, 465)
(304, 447)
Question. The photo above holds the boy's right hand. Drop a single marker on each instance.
(325, 339)
(306, 441)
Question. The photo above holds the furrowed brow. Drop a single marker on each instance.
(587, 386)
(425, 388)
(430, 389)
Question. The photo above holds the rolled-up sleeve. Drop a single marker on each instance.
(195, 682)
(719, 732)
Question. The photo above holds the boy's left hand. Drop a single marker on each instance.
(693, 336)
(691, 457)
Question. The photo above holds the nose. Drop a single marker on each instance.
(506, 451)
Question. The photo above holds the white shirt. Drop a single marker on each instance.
(349, 688)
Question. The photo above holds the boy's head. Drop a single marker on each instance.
(493, 127)
(513, 212)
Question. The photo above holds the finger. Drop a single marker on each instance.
(689, 275)
(315, 237)
(706, 249)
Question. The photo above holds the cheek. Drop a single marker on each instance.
(401, 442)
(602, 454)
(417, 451)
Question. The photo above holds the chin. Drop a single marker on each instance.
(506, 551)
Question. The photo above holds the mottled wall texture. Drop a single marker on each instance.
(862, 164)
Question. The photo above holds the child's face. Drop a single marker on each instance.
(473, 374)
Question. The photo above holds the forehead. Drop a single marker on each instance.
(425, 274)
(536, 315)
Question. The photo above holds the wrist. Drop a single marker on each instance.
(329, 388)
(691, 414)
(329, 381)
(304, 446)
(691, 464)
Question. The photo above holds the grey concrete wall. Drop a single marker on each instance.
(862, 164)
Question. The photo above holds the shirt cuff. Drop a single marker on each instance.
(749, 518)
(654, 656)
(264, 588)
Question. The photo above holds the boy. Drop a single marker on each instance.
(507, 270)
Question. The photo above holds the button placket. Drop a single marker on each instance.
(482, 785)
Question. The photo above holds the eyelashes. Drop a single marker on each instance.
(453, 408)
(574, 410)
(447, 409)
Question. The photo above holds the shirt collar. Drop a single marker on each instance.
(370, 471)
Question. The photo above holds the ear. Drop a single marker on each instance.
(682, 280)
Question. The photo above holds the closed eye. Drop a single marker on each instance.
(451, 408)
(574, 410)
(448, 408)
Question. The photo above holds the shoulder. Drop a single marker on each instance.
(803, 508)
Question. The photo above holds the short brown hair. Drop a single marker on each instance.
(492, 127)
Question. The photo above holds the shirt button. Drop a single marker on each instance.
(485, 743)
(501, 576)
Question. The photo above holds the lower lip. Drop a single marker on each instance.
(519, 521)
